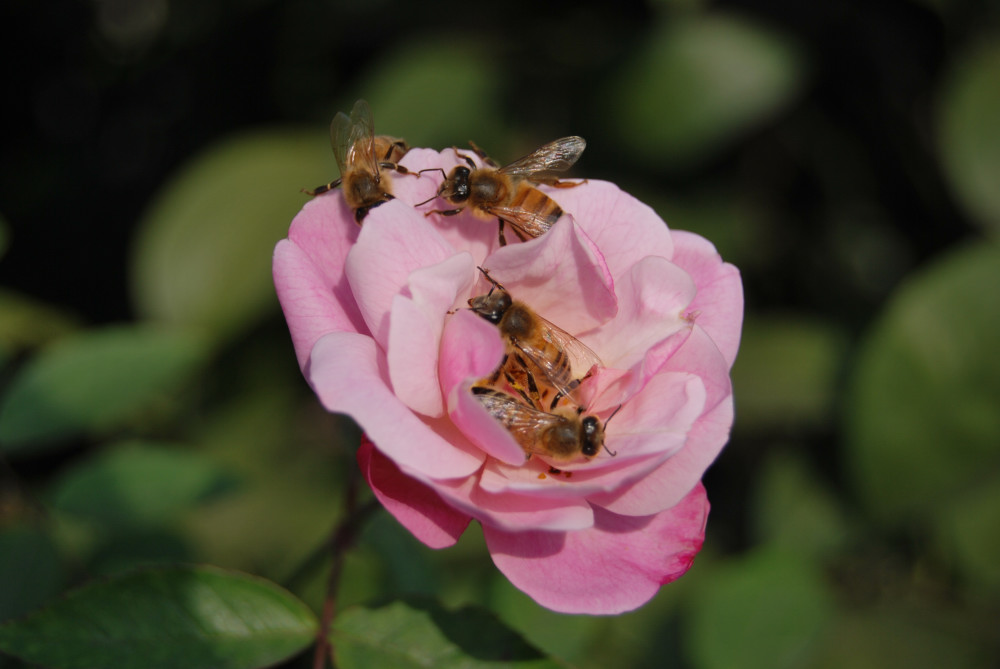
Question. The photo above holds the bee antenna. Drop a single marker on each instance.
(486, 273)
(610, 452)
(420, 204)
(613, 415)
(433, 169)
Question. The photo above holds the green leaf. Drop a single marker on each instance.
(30, 570)
(138, 485)
(464, 105)
(795, 510)
(700, 82)
(95, 381)
(202, 257)
(415, 634)
(965, 531)
(922, 418)
(25, 322)
(184, 617)
(787, 371)
(764, 610)
(970, 135)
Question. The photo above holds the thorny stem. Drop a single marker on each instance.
(343, 538)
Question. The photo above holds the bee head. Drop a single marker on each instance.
(491, 306)
(456, 187)
(592, 436)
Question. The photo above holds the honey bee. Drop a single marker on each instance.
(362, 156)
(562, 435)
(506, 192)
(533, 344)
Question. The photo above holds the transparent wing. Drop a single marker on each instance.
(531, 223)
(557, 156)
(568, 367)
(354, 139)
(525, 423)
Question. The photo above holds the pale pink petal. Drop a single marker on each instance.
(515, 512)
(674, 478)
(347, 372)
(560, 275)
(309, 276)
(415, 326)
(623, 228)
(652, 299)
(719, 303)
(417, 507)
(413, 188)
(395, 240)
(617, 565)
(471, 349)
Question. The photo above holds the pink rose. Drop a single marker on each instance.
(368, 313)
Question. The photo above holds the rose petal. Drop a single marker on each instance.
(415, 326)
(471, 348)
(672, 480)
(417, 507)
(560, 275)
(513, 512)
(347, 373)
(309, 277)
(615, 566)
(394, 241)
(652, 298)
(622, 227)
(719, 302)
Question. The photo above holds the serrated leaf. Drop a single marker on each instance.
(138, 485)
(418, 634)
(202, 256)
(700, 82)
(764, 610)
(94, 381)
(184, 617)
(922, 418)
(970, 135)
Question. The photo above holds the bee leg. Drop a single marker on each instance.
(322, 189)
(556, 183)
(482, 154)
(395, 167)
(446, 212)
(503, 240)
(466, 158)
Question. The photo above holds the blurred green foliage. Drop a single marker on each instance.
(846, 157)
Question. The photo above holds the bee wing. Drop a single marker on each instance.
(557, 156)
(525, 423)
(532, 224)
(354, 139)
(565, 371)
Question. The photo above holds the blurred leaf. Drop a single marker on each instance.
(184, 617)
(795, 510)
(787, 372)
(970, 134)
(967, 530)
(437, 93)
(764, 610)
(202, 256)
(895, 636)
(138, 485)
(701, 81)
(922, 418)
(25, 322)
(30, 570)
(96, 380)
(130, 549)
(420, 634)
